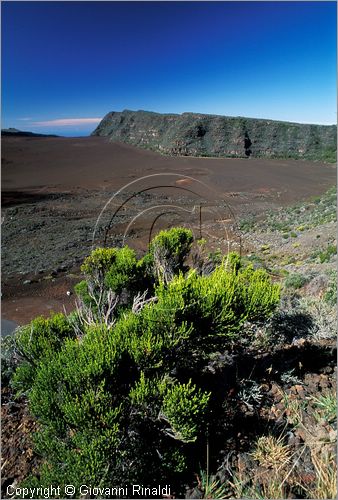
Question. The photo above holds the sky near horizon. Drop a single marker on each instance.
(66, 64)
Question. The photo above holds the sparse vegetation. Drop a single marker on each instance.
(298, 218)
(330, 295)
(210, 487)
(326, 254)
(295, 280)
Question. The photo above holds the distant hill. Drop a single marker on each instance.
(193, 134)
(14, 132)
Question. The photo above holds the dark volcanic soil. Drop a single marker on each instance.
(53, 191)
(39, 164)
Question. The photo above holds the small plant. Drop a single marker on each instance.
(211, 487)
(324, 317)
(250, 393)
(295, 280)
(183, 407)
(248, 224)
(37, 342)
(325, 255)
(293, 409)
(288, 377)
(325, 483)
(326, 406)
(271, 452)
(168, 251)
(330, 295)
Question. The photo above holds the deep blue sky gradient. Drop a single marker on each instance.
(272, 60)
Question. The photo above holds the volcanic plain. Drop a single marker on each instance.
(63, 196)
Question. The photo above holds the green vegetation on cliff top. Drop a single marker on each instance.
(191, 134)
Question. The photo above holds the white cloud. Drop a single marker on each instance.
(65, 122)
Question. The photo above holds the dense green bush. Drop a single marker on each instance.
(126, 401)
(182, 408)
(168, 251)
(115, 269)
(36, 342)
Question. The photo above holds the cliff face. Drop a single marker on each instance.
(193, 134)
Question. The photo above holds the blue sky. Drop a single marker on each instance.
(66, 64)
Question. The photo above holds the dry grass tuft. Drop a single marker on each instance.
(325, 483)
(271, 452)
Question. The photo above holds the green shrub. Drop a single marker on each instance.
(248, 224)
(183, 408)
(177, 241)
(43, 336)
(325, 255)
(134, 388)
(295, 280)
(113, 276)
(123, 272)
(168, 251)
(81, 290)
(99, 262)
(113, 268)
(36, 342)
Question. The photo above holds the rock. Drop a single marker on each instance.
(324, 382)
(328, 370)
(27, 282)
(194, 493)
(298, 341)
(276, 392)
(298, 389)
(293, 440)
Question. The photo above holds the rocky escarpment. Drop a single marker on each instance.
(194, 134)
